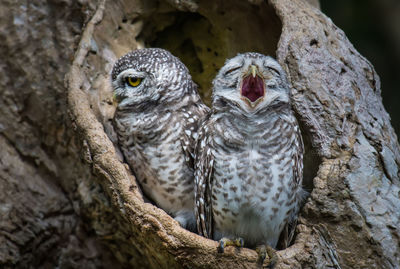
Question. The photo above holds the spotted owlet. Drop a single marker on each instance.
(156, 121)
(249, 156)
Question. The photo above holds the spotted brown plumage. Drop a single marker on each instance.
(249, 155)
(156, 121)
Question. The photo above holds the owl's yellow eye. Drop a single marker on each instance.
(133, 81)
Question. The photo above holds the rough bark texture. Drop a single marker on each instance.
(336, 93)
(67, 200)
(47, 194)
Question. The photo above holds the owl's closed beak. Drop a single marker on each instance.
(114, 100)
(252, 89)
(117, 99)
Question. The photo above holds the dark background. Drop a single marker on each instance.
(373, 26)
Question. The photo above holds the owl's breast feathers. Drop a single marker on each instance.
(254, 186)
(158, 145)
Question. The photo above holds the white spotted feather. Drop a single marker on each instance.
(156, 122)
(248, 166)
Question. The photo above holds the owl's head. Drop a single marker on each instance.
(251, 81)
(149, 76)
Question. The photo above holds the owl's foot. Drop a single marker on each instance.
(265, 250)
(224, 242)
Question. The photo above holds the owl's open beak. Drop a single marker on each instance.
(252, 89)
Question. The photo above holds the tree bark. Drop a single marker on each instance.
(67, 199)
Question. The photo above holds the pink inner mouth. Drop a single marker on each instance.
(253, 88)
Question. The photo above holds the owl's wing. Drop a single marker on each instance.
(192, 116)
(203, 175)
(290, 227)
(298, 157)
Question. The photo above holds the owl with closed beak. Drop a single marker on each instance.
(249, 157)
(156, 120)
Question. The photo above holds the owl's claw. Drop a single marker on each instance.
(224, 242)
(265, 250)
(262, 253)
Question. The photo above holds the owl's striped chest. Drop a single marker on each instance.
(153, 149)
(251, 182)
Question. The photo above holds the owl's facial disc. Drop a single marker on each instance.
(252, 87)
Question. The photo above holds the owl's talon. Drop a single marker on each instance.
(262, 253)
(265, 250)
(224, 242)
(240, 242)
(273, 257)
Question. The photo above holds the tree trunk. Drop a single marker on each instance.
(66, 198)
